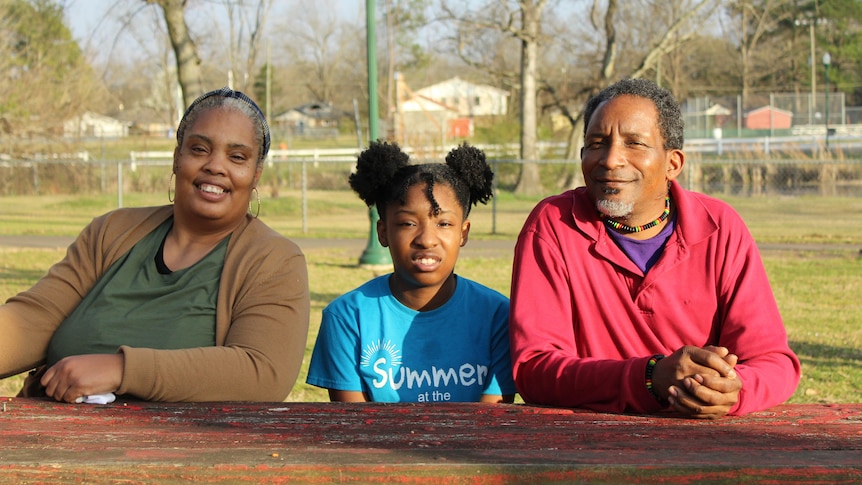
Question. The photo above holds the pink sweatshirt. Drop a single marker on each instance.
(585, 320)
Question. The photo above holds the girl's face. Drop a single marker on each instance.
(216, 169)
(423, 246)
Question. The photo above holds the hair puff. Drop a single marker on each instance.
(468, 162)
(375, 171)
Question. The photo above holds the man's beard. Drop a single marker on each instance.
(615, 209)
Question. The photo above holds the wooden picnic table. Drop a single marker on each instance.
(43, 441)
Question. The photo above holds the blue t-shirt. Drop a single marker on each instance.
(370, 342)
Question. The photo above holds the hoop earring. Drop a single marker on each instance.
(170, 192)
(257, 195)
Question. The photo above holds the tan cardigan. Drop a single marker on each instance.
(262, 315)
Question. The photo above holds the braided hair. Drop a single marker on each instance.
(384, 174)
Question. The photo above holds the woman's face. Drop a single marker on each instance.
(423, 246)
(216, 169)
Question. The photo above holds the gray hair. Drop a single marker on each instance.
(670, 121)
(228, 98)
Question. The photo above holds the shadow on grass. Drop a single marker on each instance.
(825, 355)
(21, 276)
(323, 298)
(326, 264)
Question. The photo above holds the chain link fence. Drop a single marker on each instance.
(294, 179)
(771, 114)
(739, 177)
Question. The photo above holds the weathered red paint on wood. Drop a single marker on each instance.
(44, 441)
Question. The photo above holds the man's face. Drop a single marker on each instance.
(626, 167)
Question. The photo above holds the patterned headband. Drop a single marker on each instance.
(230, 93)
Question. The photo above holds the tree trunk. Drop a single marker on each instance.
(185, 50)
(743, 51)
(573, 152)
(529, 183)
(255, 30)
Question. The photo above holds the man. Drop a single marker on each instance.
(634, 295)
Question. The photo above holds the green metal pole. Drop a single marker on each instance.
(374, 254)
(826, 93)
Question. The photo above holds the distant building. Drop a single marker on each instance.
(314, 120)
(94, 125)
(446, 110)
(464, 98)
(768, 118)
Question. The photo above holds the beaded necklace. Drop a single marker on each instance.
(622, 227)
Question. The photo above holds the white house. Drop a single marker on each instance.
(444, 111)
(94, 125)
(463, 97)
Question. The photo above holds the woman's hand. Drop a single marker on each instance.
(83, 375)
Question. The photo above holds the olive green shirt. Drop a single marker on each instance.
(134, 304)
(261, 315)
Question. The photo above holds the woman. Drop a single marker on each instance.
(195, 301)
(421, 333)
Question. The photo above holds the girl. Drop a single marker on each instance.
(421, 333)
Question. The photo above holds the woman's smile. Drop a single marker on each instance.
(212, 192)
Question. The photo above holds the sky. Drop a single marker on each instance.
(97, 24)
(83, 15)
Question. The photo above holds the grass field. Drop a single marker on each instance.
(816, 284)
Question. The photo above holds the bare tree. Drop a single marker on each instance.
(528, 33)
(251, 25)
(46, 79)
(150, 89)
(314, 52)
(757, 19)
(647, 45)
(673, 36)
(522, 20)
(187, 59)
(246, 26)
(318, 44)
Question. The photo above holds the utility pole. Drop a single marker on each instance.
(827, 60)
(810, 22)
(374, 255)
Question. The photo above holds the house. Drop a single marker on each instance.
(94, 125)
(445, 110)
(768, 118)
(147, 121)
(462, 97)
(309, 120)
